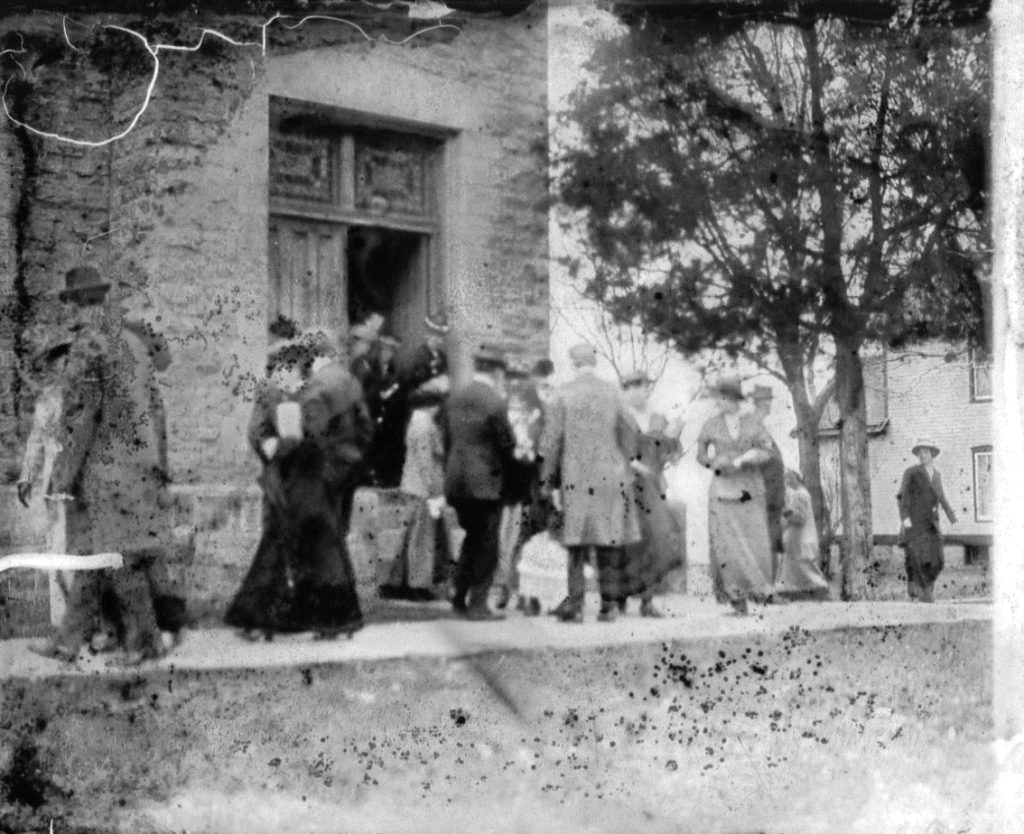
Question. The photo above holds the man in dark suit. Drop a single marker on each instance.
(920, 496)
(479, 455)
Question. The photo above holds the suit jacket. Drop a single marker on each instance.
(114, 454)
(589, 438)
(478, 442)
(920, 498)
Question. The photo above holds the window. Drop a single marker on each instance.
(981, 376)
(982, 483)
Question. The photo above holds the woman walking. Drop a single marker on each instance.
(734, 446)
(310, 429)
(424, 559)
(799, 575)
(663, 541)
(920, 496)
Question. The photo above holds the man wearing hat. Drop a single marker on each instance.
(113, 465)
(479, 458)
(588, 444)
(920, 496)
(774, 473)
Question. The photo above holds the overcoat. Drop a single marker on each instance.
(114, 454)
(588, 442)
(479, 443)
(920, 497)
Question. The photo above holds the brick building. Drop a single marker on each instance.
(352, 164)
(939, 392)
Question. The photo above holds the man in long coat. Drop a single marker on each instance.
(588, 447)
(113, 464)
(479, 459)
(920, 496)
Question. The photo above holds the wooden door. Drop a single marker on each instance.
(307, 273)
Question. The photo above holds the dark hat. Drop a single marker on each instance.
(489, 358)
(635, 378)
(84, 285)
(543, 367)
(926, 444)
(728, 387)
(761, 393)
(437, 323)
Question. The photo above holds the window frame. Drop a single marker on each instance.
(974, 365)
(976, 452)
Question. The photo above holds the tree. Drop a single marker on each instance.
(788, 191)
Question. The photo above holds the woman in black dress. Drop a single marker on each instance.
(310, 428)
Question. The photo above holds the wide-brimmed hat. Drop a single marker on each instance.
(761, 393)
(926, 444)
(489, 357)
(437, 323)
(729, 387)
(635, 378)
(84, 285)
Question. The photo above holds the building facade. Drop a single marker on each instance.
(938, 392)
(358, 160)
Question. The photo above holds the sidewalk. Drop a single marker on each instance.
(688, 619)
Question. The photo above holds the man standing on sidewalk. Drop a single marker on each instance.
(589, 445)
(479, 456)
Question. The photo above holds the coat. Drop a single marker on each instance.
(478, 442)
(114, 455)
(919, 498)
(588, 442)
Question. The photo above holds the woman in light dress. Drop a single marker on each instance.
(799, 575)
(734, 446)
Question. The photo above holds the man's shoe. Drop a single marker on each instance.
(532, 608)
(459, 605)
(564, 607)
(647, 609)
(740, 606)
(608, 615)
(571, 615)
(622, 606)
(52, 650)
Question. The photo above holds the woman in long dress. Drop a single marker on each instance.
(663, 539)
(423, 560)
(799, 575)
(920, 496)
(734, 446)
(310, 428)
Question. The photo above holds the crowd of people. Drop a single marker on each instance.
(484, 467)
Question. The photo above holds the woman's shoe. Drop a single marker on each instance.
(740, 606)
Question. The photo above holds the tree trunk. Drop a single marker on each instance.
(854, 471)
(808, 419)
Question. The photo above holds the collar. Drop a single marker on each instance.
(484, 379)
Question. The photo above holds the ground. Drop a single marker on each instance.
(872, 717)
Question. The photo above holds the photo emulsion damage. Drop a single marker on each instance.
(510, 415)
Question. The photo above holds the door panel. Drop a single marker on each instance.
(307, 273)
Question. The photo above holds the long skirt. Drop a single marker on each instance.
(740, 549)
(662, 547)
(924, 557)
(424, 559)
(799, 575)
(301, 578)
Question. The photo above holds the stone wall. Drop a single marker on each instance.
(175, 213)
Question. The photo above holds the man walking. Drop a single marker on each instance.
(112, 463)
(588, 446)
(479, 457)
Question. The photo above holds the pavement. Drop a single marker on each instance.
(687, 618)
